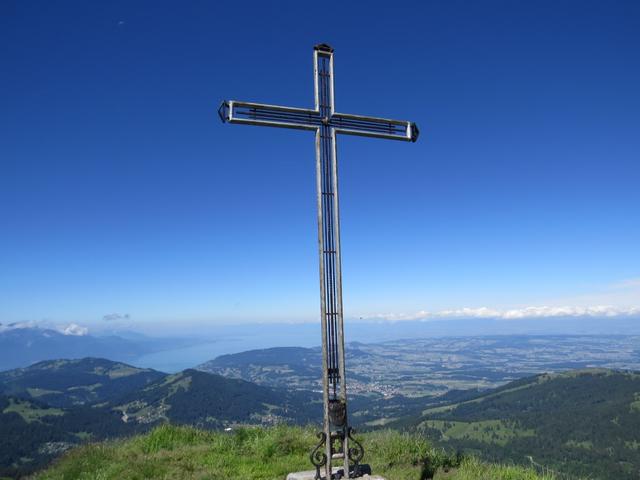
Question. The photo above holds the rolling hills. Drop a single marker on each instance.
(49, 407)
(212, 401)
(65, 383)
(585, 423)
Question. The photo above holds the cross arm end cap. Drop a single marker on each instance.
(323, 47)
(415, 132)
(223, 111)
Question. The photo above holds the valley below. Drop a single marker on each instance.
(433, 366)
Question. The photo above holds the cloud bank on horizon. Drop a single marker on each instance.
(531, 312)
(72, 329)
(512, 314)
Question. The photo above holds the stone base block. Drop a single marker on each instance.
(311, 475)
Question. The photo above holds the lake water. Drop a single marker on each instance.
(174, 360)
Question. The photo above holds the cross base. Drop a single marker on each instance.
(338, 473)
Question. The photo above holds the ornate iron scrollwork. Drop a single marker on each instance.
(356, 452)
(318, 457)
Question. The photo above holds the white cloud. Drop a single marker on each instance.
(481, 312)
(17, 325)
(110, 317)
(68, 329)
(513, 314)
(592, 311)
(73, 329)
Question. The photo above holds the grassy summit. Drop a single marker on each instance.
(170, 452)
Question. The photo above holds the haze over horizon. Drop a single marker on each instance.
(125, 202)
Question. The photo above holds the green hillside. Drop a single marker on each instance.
(211, 401)
(66, 383)
(53, 406)
(584, 423)
(32, 432)
(170, 452)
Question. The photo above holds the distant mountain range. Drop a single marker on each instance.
(24, 346)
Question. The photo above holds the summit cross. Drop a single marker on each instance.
(336, 438)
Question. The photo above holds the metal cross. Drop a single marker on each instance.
(326, 123)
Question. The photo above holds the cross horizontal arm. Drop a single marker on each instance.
(269, 115)
(375, 127)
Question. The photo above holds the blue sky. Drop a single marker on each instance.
(122, 193)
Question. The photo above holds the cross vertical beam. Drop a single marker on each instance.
(334, 391)
(336, 442)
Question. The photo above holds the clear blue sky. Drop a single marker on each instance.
(121, 191)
